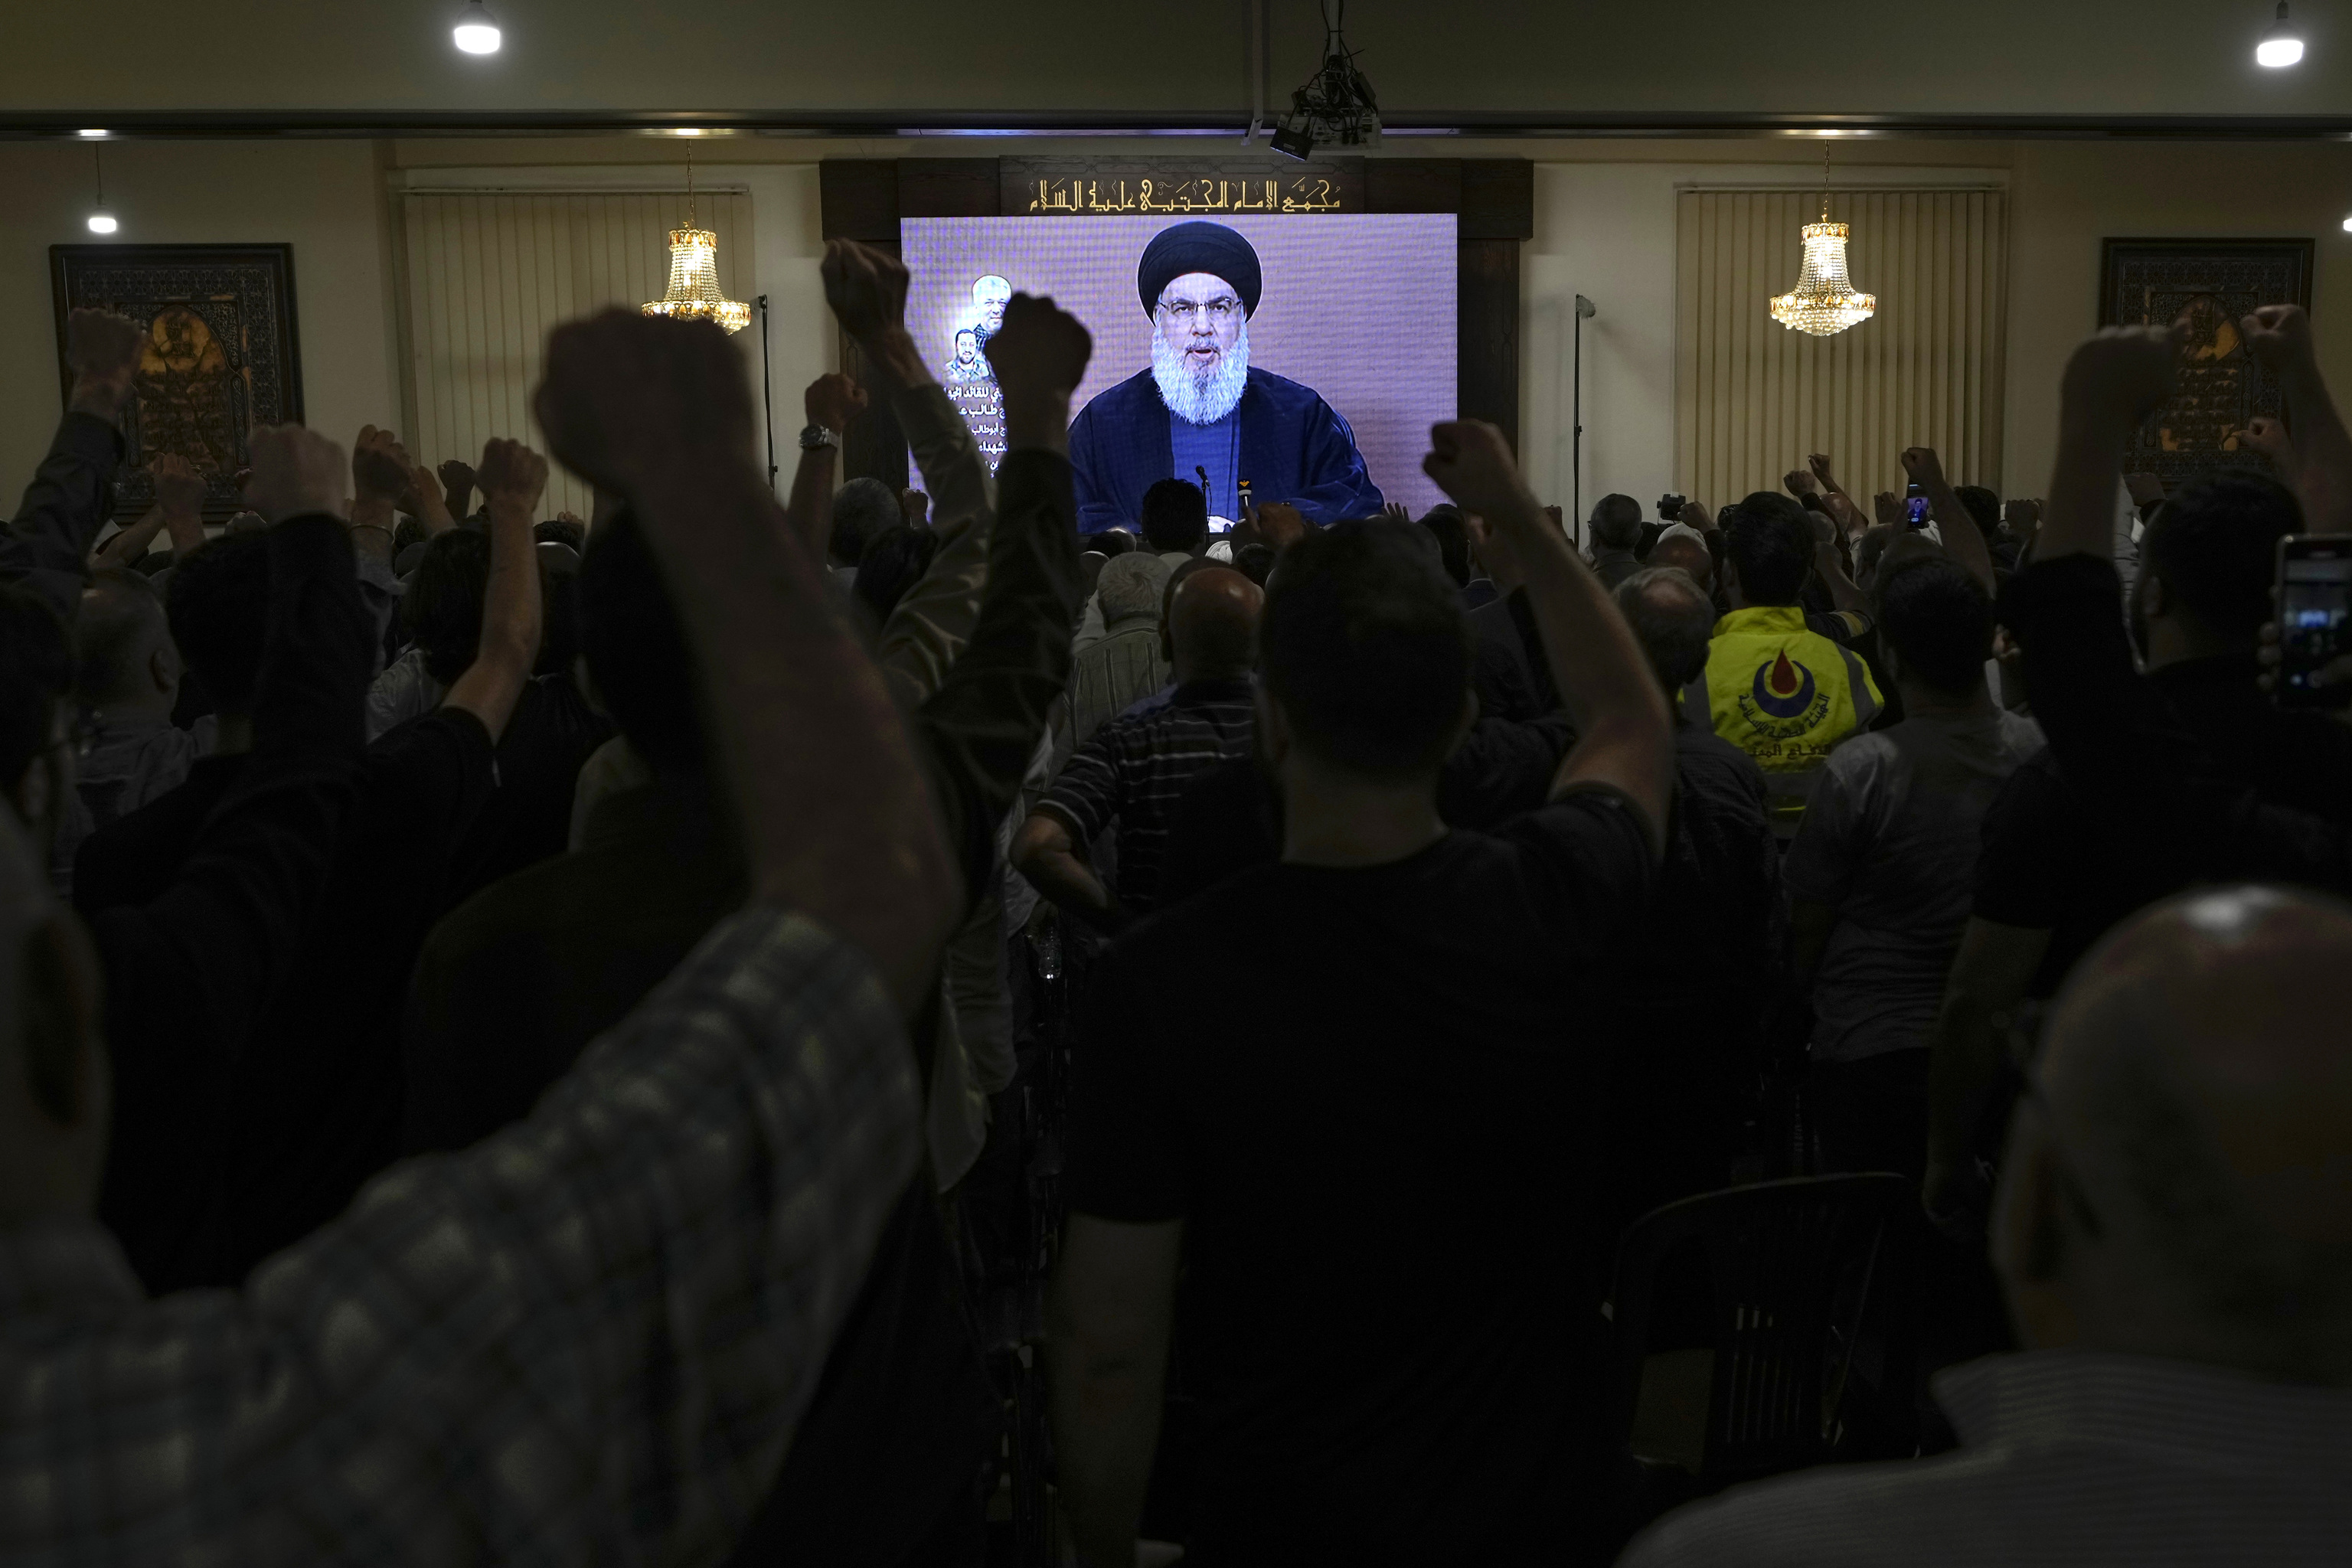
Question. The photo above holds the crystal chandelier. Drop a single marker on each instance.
(693, 294)
(1824, 301)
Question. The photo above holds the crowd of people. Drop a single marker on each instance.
(883, 1029)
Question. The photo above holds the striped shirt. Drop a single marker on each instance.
(1134, 768)
(2069, 1458)
(585, 1340)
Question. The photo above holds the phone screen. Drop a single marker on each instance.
(2314, 601)
(1914, 507)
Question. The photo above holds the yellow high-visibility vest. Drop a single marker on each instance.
(1783, 693)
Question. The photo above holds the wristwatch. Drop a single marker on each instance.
(815, 436)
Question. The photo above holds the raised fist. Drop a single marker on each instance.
(103, 351)
(1473, 464)
(2268, 438)
(295, 471)
(179, 489)
(866, 288)
(380, 465)
(1041, 351)
(2279, 336)
(513, 477)
(1888, 508)
(832, 400)
(1798, 483)
(1926, 469)
(2124, 373)
(1819, 464)
(624, 394)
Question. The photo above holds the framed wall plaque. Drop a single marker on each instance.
(221, 354)
(2213, 283)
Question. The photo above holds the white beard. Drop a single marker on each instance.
(1200, 399)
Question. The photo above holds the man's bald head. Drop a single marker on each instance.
(1685, 554)
(1213, 624)
(123, 643)
(2198, 1079)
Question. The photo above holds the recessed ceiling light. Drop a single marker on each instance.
(2281, 45)
(477, 31)
(93, 134)
(688, 130)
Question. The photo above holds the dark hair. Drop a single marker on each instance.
(1617, 522)
(2214, 546)
(559, 600)
(442, 610)
(1114, 542)
(218, 605)
(35, 673)
(1366, 650)
(896, 560)
(561, 531)
(1452, 540)
(1254, 562)
(861, 509)
(1983, 507)
(1175, 516)
(1672, 618)
(1770, 542)
(405, 533)
(636, 651)
(1938, 620)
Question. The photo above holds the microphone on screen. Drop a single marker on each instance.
(1204, 480)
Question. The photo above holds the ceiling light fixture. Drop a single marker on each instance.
(1824, 301)
(2281, 45)
(694, 294)
(91, 136)
(100, 220)
(477, 31)
(1336, 106)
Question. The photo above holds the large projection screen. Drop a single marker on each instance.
(1360, 308)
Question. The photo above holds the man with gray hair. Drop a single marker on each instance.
(2174, 1234)
(862, 509)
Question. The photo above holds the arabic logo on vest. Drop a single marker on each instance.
(1784, 687)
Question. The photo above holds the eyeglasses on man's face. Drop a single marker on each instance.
(1184, 312)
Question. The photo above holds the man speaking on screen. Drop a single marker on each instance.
(1204, 409)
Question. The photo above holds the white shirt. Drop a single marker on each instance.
(2069, 1458)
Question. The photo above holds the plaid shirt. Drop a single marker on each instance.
(1135, 767)
(585, 1340)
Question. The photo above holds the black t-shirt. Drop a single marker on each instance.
(2044, 867)
(315, 1099)
(1370, 1094)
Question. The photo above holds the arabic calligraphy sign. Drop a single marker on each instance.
(1041, 187)
(2212, 284)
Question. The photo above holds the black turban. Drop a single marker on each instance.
(1198, 246)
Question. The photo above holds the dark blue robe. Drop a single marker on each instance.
(1295, 447)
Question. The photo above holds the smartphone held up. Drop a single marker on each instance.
(2315, 600)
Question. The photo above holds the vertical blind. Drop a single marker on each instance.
(1752, 398)
(488, 274)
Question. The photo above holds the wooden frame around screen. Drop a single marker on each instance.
(1492, 198)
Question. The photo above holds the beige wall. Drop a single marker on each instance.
(2069, 198)
(319, 196)
(1604, 226)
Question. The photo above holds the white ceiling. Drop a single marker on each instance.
(929, 60)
